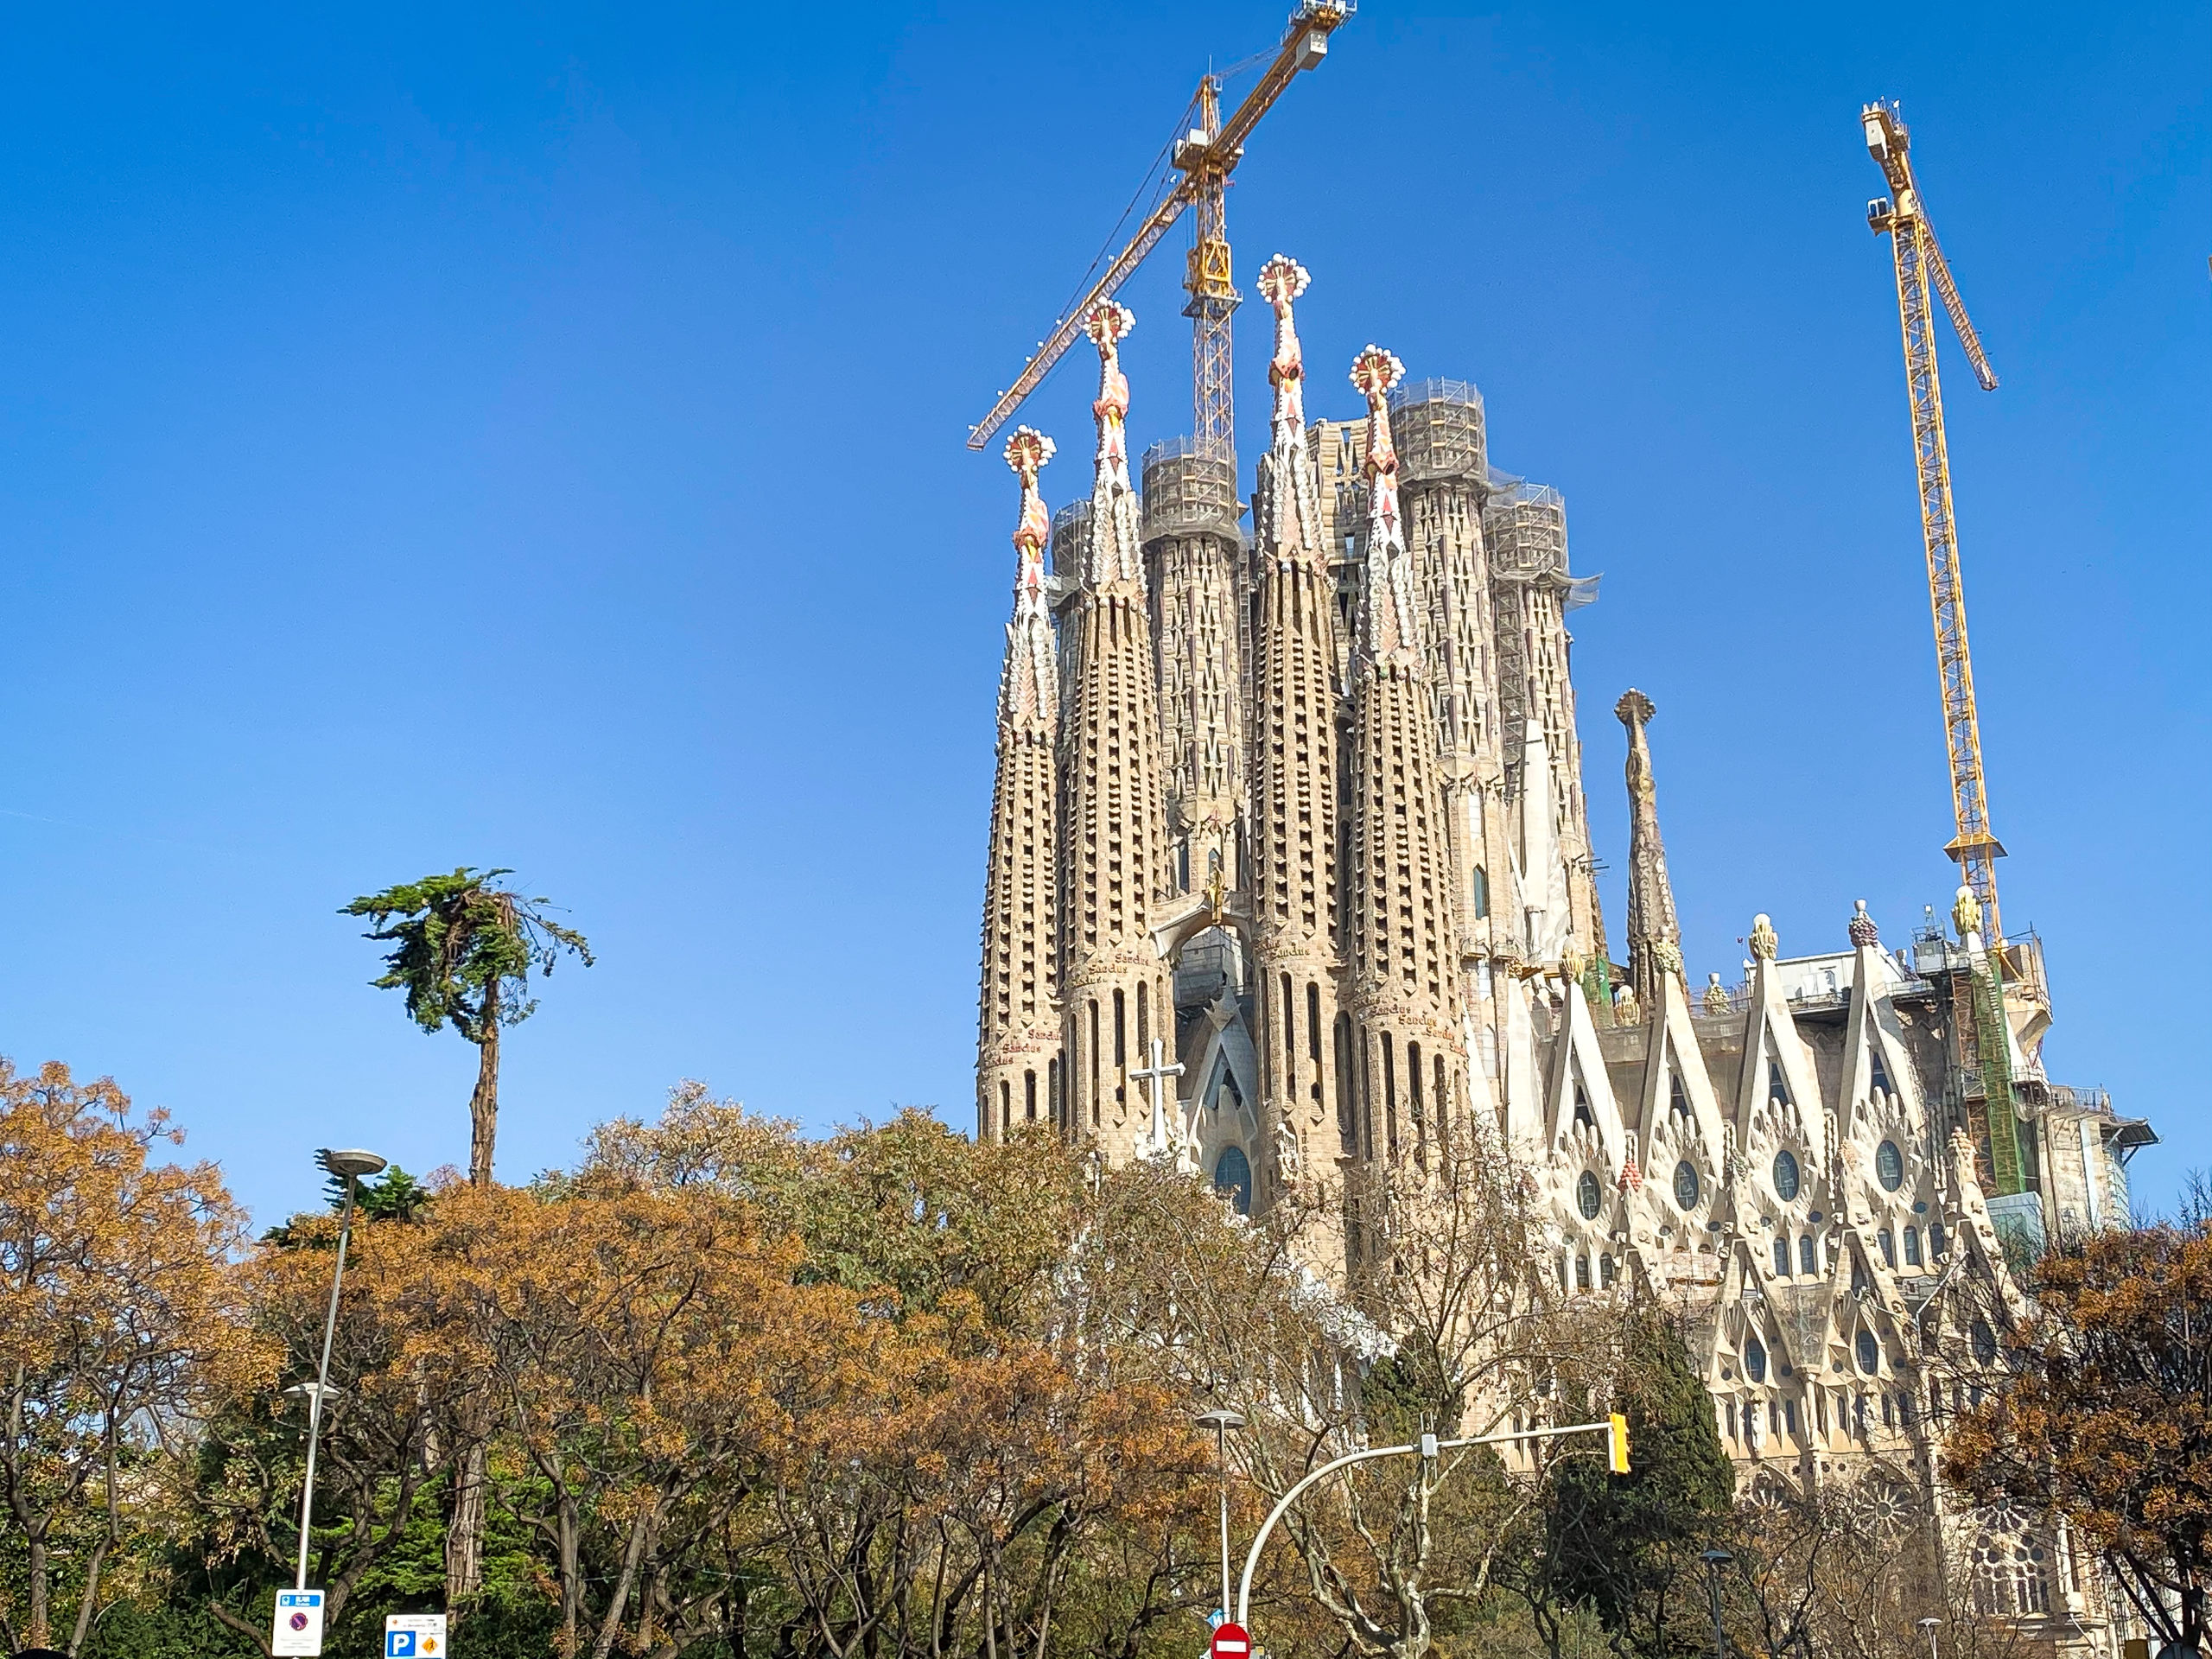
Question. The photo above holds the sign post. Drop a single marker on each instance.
(297, 1628)
(415, 1636)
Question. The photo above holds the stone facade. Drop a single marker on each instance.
(1324, 886)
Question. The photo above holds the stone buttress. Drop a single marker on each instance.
(1114, 986)
(1018, 1045)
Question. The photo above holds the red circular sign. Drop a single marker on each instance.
(1230, 1642)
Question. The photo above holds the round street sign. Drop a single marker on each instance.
(1230, 1642)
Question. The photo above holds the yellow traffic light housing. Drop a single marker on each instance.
(1616, 1444)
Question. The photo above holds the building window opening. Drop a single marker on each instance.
(1581, 1271)
(1678, 1100)
(1805, 1260)
(1607, 1270)
(1029, 1096)
(1121, 1032)
(1482, 893)
(1781, 1258)
(1912, 1246)
(1777, 1087)
(1755, 1359)
(1582, 1107)
(1889, 1249)
(1232, 1178)
(1588, 1195)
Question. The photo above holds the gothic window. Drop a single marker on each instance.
(1581, 1271)
(1144, 1026)
(1029, 1096)
(1936, 1240)
(1785, 1175)
(2010, 1568)
(1912, 1246)
(1685, 1188)
(1482, 893)
(1006, 1108)
(1232, 1175)
(1582, 1106)
(1781, 1258)
(1777, 1087)
(1889, 1166)
(1607, 1271)
(1870, 1353)
(1877, 1076)
(1289, 1031)
(1889, 1249)
(1313, 1024)
(1985, 1343)
(1121, 1032)
(1588, 1195)
(1678, 1103)
(1789, 1414)
(1805, 1262)
(1755, 1359)
(1413, 1085)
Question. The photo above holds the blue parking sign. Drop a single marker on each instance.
(415, 1636)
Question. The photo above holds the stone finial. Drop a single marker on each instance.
(1634, 709)
(1966, 912)
(1863, 934)
(1764, 942)
(1717, 1001)
(1666, 956)
(1374, 371)
(1108, 324)
(1283, 279)
(1027, 452)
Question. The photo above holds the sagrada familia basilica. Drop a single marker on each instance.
(1290, 872)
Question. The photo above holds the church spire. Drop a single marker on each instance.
(1405, 957)
(1020, 1013)
(1653, 938)
(1293, 816)
(1113, 866)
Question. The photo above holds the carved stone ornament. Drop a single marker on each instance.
(1717, 1001)
(1763, 943)
(1667, 956)
(1966, 912)
(1864, 933)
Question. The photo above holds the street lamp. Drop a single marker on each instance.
(349, 1167)
(1928, 1629)
(1221, 1419)
(1714, 1560)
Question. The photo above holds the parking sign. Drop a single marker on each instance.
(415, 1636)
(298, 1631)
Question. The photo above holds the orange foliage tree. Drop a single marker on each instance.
(120, 1322)
(2103, 1413)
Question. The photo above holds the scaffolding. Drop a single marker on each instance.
(1525, 528)
(1436, 427)
(1189, 489)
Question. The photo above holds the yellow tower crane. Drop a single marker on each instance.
(1903, 216)
(1205, 155)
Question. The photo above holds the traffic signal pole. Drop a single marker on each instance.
(1615, 1428)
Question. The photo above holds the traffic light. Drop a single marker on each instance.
(1616, 1444)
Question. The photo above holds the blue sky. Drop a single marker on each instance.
(535, 438)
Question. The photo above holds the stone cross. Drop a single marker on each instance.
(1157, 1074)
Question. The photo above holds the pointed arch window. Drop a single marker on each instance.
(1582, 1106)
(1581, 1271)
(1678, 1100)
(1877, 1076)
(1806, 1263)
(1870, 1353)
(1778, 1086)
(1232, 1178)
(1936, 1240)
(1607, 1271)
(1755, 1359)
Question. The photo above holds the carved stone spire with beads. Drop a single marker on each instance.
(1405, 956)
(1020, 1019)
(1655, 941)
(1114, 986)
(1293, 878)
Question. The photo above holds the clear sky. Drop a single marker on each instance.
(435, 435)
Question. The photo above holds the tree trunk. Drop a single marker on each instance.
(484, 1104)
(464, 1542)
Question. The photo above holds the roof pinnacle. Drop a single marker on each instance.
(1283, 279)
(1388, 631)
(1027, 452)
(1107, 323)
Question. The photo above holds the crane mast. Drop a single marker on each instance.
(1206, 155)
(1922, 277)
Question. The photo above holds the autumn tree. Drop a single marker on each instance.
(119, 1324)
(2098, 1408)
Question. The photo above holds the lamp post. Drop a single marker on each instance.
(349, 1166)
(1928, 1629)
(1714, 1560)
(1221, 1421)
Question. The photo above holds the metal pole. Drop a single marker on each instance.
(322, 1381)
(1222, 1428)
(1714, 1560)
(1929, 1625)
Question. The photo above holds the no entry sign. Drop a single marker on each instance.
(1230, 1642)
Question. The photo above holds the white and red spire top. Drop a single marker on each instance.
(1029, 686)
(1283, 279)
(1388, 629)
(1107, 323)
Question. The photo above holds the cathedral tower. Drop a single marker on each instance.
(1018, 1046)
(1653, 940)
(1114, 995)
(1292, 879)
(1405, 959)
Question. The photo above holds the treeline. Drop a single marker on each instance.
(724, 1389)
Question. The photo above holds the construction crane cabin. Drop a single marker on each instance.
(1205, 155)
